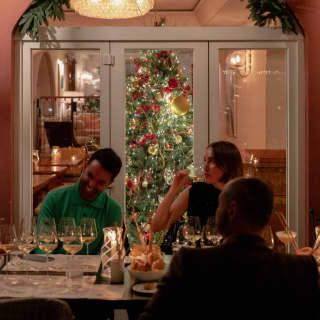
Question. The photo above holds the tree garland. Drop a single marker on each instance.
(38, 14)
(262, 12)
(270, 12)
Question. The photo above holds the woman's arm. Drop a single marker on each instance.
(169, 210)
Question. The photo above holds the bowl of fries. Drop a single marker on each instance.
(147, 264)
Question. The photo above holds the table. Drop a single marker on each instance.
(96, 294)
(58, 170)
(63, 162)
(42, 181)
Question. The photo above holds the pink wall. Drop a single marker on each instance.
(308, 12)
(10, 13)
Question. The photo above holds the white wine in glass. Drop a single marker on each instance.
(75, 245)
(47, 236)
(66, 229)
(286, 237)
(88, 231)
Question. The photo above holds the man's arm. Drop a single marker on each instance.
(165, 302)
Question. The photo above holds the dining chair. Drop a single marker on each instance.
(34, 309)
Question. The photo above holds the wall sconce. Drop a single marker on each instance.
(240, 61)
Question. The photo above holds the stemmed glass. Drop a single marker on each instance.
(268, 237)
(27, 238)
(8, 239)
(66, 229)
(192, 230)
(210, 232)
(88, 231)
(47, 237)
(285, 236)
(74, 241)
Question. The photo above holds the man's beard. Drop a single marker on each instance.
(88, 195)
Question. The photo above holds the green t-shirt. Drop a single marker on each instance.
(67, 202)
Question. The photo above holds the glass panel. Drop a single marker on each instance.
(253, 115)
(159, 125)
(66, 116)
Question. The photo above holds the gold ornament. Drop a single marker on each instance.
(178, 139)
(180, 72)
(180, 106)
(134, 123)
(145, 184)
(159, 97)
(153, 149)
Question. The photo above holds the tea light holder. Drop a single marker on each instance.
(109, 249)
(55, 153)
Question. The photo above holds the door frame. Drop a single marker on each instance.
(95, 36)
(296, 211)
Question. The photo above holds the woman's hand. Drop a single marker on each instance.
(306, 251)
(180, 179)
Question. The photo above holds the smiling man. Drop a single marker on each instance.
(87, 198)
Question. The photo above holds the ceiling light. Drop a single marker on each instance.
(112, 9)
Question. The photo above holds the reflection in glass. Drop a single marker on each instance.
(252, 95)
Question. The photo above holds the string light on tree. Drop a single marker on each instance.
(159, 111)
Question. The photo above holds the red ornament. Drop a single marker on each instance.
(173, 83)
(132, 184)
(156, 108)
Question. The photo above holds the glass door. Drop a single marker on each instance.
(251, 105)
(64, 111)
(159, 99)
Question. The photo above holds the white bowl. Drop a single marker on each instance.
(147, 275)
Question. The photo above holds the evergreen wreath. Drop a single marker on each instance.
(262, 12)
(38, 14)
(270, 12)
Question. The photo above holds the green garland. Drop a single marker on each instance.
(270, 12)
(262, 12)
(38, 14)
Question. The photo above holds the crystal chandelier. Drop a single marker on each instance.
(112, 9)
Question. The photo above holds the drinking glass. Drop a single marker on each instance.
(73, 244)
(27, 240)
(193, 229)
(285, 237)
(8, 239)
(66, 229)
(268, 237)
(210, 232)
(47, 237)
(88, 231)
(180, 240)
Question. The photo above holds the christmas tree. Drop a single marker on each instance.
(159, 130)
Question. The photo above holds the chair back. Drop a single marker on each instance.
(35, 309)
(79, 153)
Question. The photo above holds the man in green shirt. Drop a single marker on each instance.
(87, 198)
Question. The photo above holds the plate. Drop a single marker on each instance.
(139, 287)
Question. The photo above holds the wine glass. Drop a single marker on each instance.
(285, 236)
(268, 237)
(47, 237)
(27, 240)
(73, 244)
(8, 239)
(193, 229)
(180, 240)
(66, 229)
(88, 231)
(210, 232)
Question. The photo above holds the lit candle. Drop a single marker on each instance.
(55, 154)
